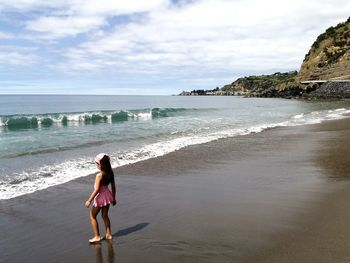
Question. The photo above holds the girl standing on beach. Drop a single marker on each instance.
(102, 196)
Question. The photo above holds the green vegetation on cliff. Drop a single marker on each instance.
(257, 84)
(329, 56)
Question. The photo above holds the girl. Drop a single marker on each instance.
(102, 196)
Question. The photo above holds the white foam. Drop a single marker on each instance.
(70, 170)
(317, 117)
(144, 115)
(298, 116)
(67, 171)
(74, 117)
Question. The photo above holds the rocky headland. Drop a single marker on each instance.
(324, 73)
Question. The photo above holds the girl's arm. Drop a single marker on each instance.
(114, 191)
(96, 189)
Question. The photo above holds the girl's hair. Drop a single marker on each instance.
(106, 168)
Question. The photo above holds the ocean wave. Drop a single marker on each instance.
(32, 181)
(316, 117)
(54, 149)
(18, 122)
(50, 175)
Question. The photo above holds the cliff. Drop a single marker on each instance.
(329, 56)
(328, 59)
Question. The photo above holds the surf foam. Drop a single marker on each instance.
(47, 176)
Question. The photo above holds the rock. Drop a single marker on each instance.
(332, 90)
(268, 93)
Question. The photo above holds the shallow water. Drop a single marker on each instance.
(49, 140)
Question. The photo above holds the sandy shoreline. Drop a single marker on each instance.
(277, 196)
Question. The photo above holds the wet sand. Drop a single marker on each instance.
(276, 196)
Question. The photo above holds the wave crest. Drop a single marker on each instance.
(18, 122)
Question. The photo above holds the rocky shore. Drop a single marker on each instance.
(331, 90)
(328, 90)
(313, 91)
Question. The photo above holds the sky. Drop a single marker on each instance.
(159, 47)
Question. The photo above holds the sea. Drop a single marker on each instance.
(47, 140)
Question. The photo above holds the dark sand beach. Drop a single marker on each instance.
(277, 196)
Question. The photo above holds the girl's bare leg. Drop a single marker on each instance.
(107, 222)
(93, 214)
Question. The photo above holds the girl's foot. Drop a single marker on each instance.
(109, 237)
(95, 239)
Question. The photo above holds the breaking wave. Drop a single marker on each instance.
(17, 122)
(33, 180)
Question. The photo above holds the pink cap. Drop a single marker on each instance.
(99, 157)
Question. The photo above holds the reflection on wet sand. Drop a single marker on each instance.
(110, 252)
(334, 157)
(109, 243)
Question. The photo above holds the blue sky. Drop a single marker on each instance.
(155, 46)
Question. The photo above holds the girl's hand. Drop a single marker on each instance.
(87, 204)
(114, 202)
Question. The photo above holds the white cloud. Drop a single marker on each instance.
(211, 38)
(116, 7)
(6, 35)
(28, 5)
(80, 7)
(217, 35)
(17, 58)
(71, 17)
(55, 27)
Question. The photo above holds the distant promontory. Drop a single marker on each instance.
(324, 73)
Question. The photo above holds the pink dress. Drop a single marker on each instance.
(104, 197)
